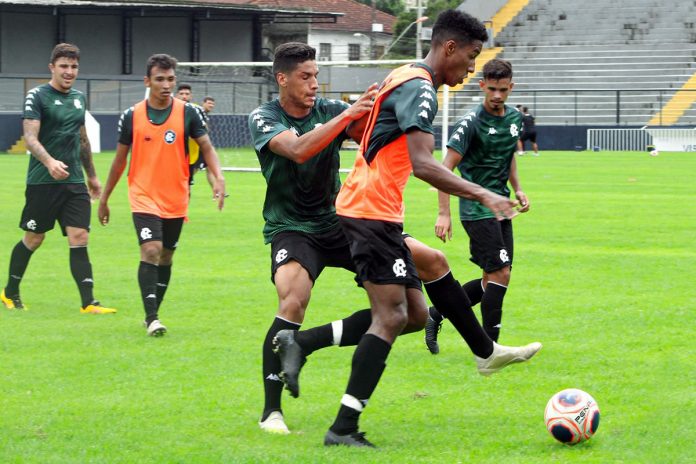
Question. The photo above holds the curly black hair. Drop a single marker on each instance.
(458, 26)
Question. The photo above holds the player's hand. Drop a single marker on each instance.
(57, 169)
(103, 213)
(219, 192)
(364, 104)
(95, 188)
(524, 201)
(502, 207)
(443, 227)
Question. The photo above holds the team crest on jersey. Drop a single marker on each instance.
(78, 104)
(169, 137)
(492, 131)
(514, 130)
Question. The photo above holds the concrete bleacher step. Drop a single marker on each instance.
(677, 105)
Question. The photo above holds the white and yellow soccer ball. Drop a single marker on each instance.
(572, 416)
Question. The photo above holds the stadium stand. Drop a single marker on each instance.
(570, 63)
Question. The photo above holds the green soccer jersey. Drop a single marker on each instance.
(61, 116)
(299, 197)
(487, 144)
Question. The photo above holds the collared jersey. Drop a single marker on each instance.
(299, 197)
(374, 188)
(487, 144)
(61, 116)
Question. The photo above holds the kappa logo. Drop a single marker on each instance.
(504, 256)
(145, 233)
(31, 224)
(266, 129)
(58, 103)
(399, 268)
(281, 256)
(492, 131)
(425, 104)
(424, 114)
(169, 137)
(77, 104)
(273, 377)
(514, 130)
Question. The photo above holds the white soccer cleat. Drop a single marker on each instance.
(156, 329)
(274, 423)
(504, 355)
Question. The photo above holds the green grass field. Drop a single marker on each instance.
(603, 277)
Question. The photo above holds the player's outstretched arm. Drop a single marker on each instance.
(425, 167)
(57, 169)
(118, 165)
(303, 148)
(211, 159)
(514, 179)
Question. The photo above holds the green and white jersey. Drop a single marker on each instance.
(487, 144)
(61, 116)
(299, 197)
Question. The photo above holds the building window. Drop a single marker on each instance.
(353, 52)
(325, 51)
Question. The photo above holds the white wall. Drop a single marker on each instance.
(339, 41)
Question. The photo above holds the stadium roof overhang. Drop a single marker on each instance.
(203, 9)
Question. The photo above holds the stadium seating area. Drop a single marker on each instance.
(570, 60)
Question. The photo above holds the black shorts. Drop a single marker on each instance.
(314, 252)
(528, 135)
(490, 243)
(154, 228)
(69, 204)
(380, 253)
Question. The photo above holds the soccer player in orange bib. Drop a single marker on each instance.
(156, 132)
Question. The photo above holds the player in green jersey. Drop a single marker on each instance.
(55, 134)
(482, 147)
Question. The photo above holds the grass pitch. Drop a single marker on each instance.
(602, 277)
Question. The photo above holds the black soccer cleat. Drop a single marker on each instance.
(355, 439)
(432, 327)
(291, 360)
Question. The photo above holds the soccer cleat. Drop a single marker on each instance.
(355, 439)
(275, 423)
(12, 302)
(96, 308)
(432, 327)
(504, 355)
(156, 329)
(291, 360)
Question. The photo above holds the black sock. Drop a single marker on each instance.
(369, 362)
(164, 273)
(451, 301)
(19, 260)
(344, 332)
(474, 290)
(272, 385)
(492, 309)
(147, 279)
(81, 270)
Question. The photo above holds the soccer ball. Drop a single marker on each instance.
(654, 153)
(572, 416)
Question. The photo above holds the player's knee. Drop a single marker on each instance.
(501, 276)
(292, 308)
(434, 267)
(33, 241)
(393, 320)
(78, 238)
(417, 317)
(150, 252)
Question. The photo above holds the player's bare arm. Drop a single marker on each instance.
(303, 148)
(443, 224)
(118, 165)
(88, 165)
(211, 159)
(425, 167)
(514, 180)
(57, 169)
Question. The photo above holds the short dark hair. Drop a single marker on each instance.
(518, 106)
(183, 86)
(288, 55)
(458, 26)
(525, 109)
(208, 98)
(162, 61)
(497, 69)
(65, 50)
